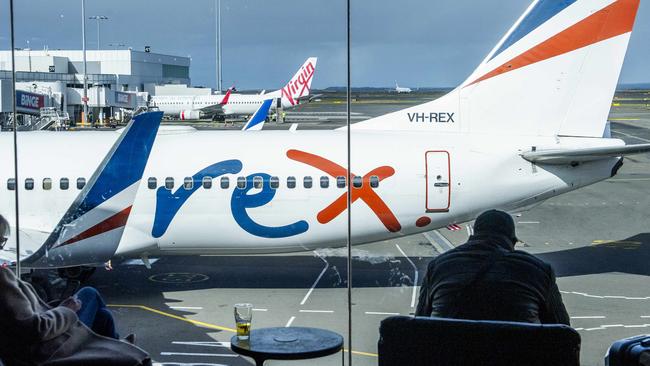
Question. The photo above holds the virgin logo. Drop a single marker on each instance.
(299, 86)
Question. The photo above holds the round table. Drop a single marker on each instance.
(293, 343)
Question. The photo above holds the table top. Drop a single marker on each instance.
(294, 343)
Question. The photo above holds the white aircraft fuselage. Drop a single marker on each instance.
(427, 181)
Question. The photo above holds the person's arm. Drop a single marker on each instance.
(424, 303)
(19, 318)
(555, 311)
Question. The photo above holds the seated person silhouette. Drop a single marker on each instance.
(487, 279)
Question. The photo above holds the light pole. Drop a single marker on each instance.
(218, 21)
(84, 100)
(98, 18)
(29, 56)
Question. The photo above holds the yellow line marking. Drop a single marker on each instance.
(208, 325)
(362, 353)
(194, 322)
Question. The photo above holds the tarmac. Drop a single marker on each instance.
(596, 238)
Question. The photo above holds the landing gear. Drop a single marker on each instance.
(80, 274)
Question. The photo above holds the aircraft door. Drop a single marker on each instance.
(438, 181)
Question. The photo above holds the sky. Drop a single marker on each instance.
(418, 43)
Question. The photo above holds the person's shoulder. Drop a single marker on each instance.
(6, 276)
(532, 259)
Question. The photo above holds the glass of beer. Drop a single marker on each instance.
(243, 318)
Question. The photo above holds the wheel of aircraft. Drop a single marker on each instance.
(81, 273)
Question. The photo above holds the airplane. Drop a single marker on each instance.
(415, 170)
(400, 90)
(295, 92)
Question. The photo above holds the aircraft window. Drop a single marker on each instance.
(241, 182)
(291, 182)
(225, 182)
(207, 182)
(258, 182)
(340, 182)
(169, 183)
(64, 184)
(152, 183)
(308, 182)
(11, 184)
(81, 183)
(374, 181)
(275, 182)
(324, 182)
(47, 184)
(357, 182)
(29, 184)
(188, 183)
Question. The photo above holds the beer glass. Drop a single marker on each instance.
(243, 318)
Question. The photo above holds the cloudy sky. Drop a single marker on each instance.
(416, 42)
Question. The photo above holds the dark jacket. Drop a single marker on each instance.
(33, 333)
(517, 286)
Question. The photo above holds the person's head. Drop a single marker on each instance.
(4, 231)
(495, 222)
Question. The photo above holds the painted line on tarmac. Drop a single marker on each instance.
(380, 313)
(438, 241)
(186, 364)
(197, 354)
(589, 317)
(203, 344)
(261, 310)
(631, 136)
(290, 322)
(193, 322)
(415, 270)
(605, 296)
(645, 316)
(327, 265)
(317, 311)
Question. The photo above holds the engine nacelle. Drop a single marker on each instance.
(190, 114)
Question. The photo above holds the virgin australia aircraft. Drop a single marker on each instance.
(414, 170)
(297, 90)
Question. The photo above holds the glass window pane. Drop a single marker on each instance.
(11, 184)
(275, 182)
(225, 182)
(29, 184)
(340, 182)
(81, 183)
(241, 182)
(47, 184)
(291, 182)
(169, 183)
(324, 182)
(374, 181)
(188, 183)
(357, 182)
(207, 182)
(308, 182)
(152, 183)
(64, 184)
(258, 182)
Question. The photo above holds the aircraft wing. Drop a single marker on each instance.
(217, 109)
(561, 157)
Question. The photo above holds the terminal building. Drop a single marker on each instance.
(117, 80)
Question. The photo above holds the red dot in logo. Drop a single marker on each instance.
(423, 221)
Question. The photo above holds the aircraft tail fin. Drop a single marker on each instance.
(226, 97)
(91, 229)
(553, 74)
(300, 84)
(256, 122)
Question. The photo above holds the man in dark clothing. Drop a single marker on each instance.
(487, 279)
